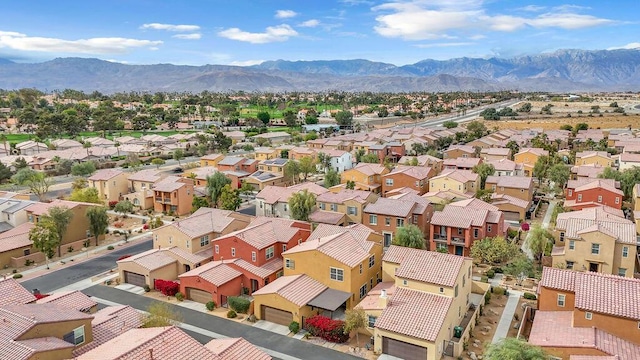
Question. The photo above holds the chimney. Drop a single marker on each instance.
(383, 300)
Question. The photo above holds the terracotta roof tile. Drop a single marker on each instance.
(109, 323)
(105, 174)
(236, 349)
(203, 221)
(343, 247)
(70, 299)
(298, 289)
(429, 266)
(267, 269)
(11, 292)
(515, 182)
(263, 232)
(343, 195)
(370, 169)
(608, 294)
(358, 231)
(416, 172)
(372, 300)
(215, 272)
(391, 207)
(169, 184)
(326, 217)
(151, 259)
(273, 194)
(401, 316)
(558, 279)
(457, 175)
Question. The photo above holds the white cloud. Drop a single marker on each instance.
(246, 62)
(310, 23)
(629, 46)
(277, 33)
(114, 45)
(170, 27)
(477, 37)
(285, 14)
(533, 8)
(194, 36)
(406, 20)
(440, 45)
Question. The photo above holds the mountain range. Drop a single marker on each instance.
(562, 70)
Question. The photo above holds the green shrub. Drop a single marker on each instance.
(530, 296)
(484, 279)
(17, 276)
(294, 327)
(487, 298)
(146, 288)
(211, 305)
(498, 270)
(180, 296)
(498, 291)
(491, 274)
(240, 305)
(231, 314)
(110, 247)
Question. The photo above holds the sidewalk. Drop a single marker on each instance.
(507, 316)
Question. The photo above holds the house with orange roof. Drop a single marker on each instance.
(347, 205)
(13, 293)
(414, 177)
(596, 239)
(513, 208)
(173, 195)
(462, 223)
(366, 176)
(520, 187)
(426, 305)
(586, 171)
(527, 158)
(273, 201)
(588, 192)
(587, 314)
(110, 183)
(266, 153)
(299, 152)
(457, 181)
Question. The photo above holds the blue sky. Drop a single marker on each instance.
(244, 32)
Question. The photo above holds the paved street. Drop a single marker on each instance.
(72, 274)
(258, 337)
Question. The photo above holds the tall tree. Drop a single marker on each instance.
(559, 174)
(83, 169)
(538, 240)
(484, 170)
(123, 207)
(229, 198)
(292, 170)
(514, 349)
(409, 235)
(87, 195)
(45, 238)
(215, 183)
(301, 204)
(61, 216)
(344, 118)
(98, 221)
(178, 155)
(158, 162)
(354, 320)
(331, 178)
(307, 166)
(514, 147)
(494, 250)
(37, 182)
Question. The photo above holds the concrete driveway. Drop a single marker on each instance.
(273, 327)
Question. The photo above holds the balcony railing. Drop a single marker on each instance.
(440, 237)
(457, 240)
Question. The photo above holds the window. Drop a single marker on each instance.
(489, 228)
(289, 264)
(373, 219)
(617, 200)
(253, 256)
(360, 268)
(372, 261)
(415, 219)
(572, 244)
(562, 236)
(370, 283)
(595, 249)
(322, 206)
(579, 197)
(334, 207)
(372, 321)
(363, 291)
(625, 251)
(456, 291)
(284, 247)
(286, 207)
(204, 240)
(599, 198)
(170, 239)
(352, 210)
(217, 248)
(405, 282)
(622, 272)
(464, 280)
(570, 265)
(260, 204)
(187, 243)
(389, 182)
(399, 222)
(459, 231)
(233, 252)
(476, 233)
(588, 315)
(442, 246)
(336, 274)
(441, 290)
(388, 237)
(75, 337)
(561, 300)
(387, 221)
(269, 253)
(570, 193)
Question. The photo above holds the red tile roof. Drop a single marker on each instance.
(514, 182)
(236, 349)
(425, 266)
(559, 279)
(273, 194)
(263, 232)
(391, 207)
(372, 300)
(326, 217)
(109, 323)
(462, 176)
(215, 272)
(150, 259)
(608, 294)
(401, 316)
(343, 195)
(105, 174)
(298, 289)
(70, 299)
(344, 247)
(11, 292)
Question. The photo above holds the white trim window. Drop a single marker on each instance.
(204, 240)
(289, 264)
(371, 321)
(595, 249)
(561, 300)
(270, 252)
(588, 315)
(372, 261)
(625, 251)
(373, 219)
(336, 274)
(233, 252)
(217, 248)
(363, 291)
(75, 337)
(253, 256)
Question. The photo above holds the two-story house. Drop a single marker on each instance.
(299, 152)
(426, 306)
(495, 154)
(413, 177)
(527, 158)
(140, 185)
(386, 215)
(325, 275)
(266, 153)
(589, 192)
(339, 160)
(342, 206)
(173, 195)
(459, 151)
(597, 239)
(462, 223)
(598, 311)
(365, 176)
(520, 187)
(273, 201)
(461, 163)
(599, 158)
(110, 183)
(505, 167)
(456, 181)
(586, 171)
(211, 160)
(423, 160)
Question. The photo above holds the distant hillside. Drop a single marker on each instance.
(563, 70)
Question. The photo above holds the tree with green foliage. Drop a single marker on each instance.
(292, 170)
(344, 118)
(450, 124)
(98, 221)
(541, 167)
(526, 107)
(301, 204)
(311, 118)
(123, 207)
(514, 349)
(160, 314)
(493, 250)
(581, 126)
(37, 182)
(475, 130)
(5, 172)
(79, 183)
(370, 159)
(628, 178)
(45, 238)
(566, 127)
(264, 117)
(178, 155)
(215, 183)
(290, 118)
(484, 170)
(87, 195)
(63, 166)
(158, 162)
(198, 202)
(331, 178)
(61, 216)
(229, 198)
(490, 114)
(86, 168)
(307, 166)
(354, 320)
(246, 189)
(409, 235)
(359, 154)
(537, 240)
(324, 161)
(559, 174)
(520, 267)
(20, 163)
